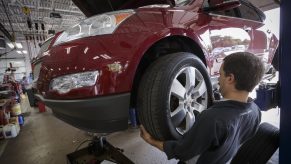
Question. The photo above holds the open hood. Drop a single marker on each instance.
(93, 7)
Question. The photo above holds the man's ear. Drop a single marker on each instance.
(230, 78)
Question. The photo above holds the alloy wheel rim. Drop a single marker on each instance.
(188, 97)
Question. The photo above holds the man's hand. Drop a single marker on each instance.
(145, 135)
(149, 139)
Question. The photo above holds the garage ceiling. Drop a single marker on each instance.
(40, 13)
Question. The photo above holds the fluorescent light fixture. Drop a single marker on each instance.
(24, 51)
(19, 52)
(11, 45)
(17, 62)
(18, 45)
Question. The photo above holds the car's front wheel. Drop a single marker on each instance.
(172, 92)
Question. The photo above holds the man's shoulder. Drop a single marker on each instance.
(224, 104)
(233, 104)
(229, 108)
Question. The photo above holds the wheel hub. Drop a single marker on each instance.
(188, 102)
(187, 87)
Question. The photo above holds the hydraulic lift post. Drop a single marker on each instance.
(99, 150)
(285, 85)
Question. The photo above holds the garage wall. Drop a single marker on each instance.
(273, 21)
(20, 61)
(19, 64)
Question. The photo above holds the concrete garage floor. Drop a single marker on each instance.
(46, 140)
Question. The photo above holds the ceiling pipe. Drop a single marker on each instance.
(12, 37)
(6, 33)
(47, 8)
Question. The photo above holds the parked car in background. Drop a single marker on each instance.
(156, 57)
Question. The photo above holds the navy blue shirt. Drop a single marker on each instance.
(217, 133)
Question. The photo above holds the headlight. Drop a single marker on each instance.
(64, 84)
(96, 25)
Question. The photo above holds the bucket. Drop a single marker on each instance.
(41, 106)
(10, 130)
(17, 128)
(16, 109)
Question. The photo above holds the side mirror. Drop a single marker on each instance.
(223, 6)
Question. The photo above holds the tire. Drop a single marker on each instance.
(159, 95)
(260, 148)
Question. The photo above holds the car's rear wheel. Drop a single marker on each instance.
(172, 92)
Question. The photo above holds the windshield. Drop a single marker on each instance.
(181, 2)
(45, 46)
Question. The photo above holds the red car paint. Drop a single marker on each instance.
(117, 56)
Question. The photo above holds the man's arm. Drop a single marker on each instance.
(197, 140)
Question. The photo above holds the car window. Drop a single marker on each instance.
(231, 13)
(181, 2)
(248, 12)
(245, 10)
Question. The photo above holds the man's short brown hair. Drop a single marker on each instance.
(247, 69)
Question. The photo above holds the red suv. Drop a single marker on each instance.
(161, 59)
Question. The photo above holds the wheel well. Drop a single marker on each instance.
(163, 47)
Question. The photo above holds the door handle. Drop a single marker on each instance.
(247, 29)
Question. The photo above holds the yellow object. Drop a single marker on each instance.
(16, 109)
(13, 120)
(26, 10)
(23, 96)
